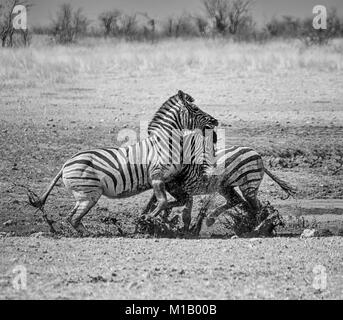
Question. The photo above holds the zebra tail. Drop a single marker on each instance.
(39, 202)
(291, 191)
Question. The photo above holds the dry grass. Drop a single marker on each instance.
(43, 62)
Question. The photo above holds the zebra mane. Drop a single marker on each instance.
(166, 106)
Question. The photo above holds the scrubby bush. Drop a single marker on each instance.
(69, 24)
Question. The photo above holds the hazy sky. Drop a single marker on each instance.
(263, 10)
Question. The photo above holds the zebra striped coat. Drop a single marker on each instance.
(236, 166)
(122, 172)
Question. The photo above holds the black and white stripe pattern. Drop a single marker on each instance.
(170, 117)
(123, 172)
(242, 167)
(236, 166)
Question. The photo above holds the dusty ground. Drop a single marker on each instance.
(293, 117)
(277, 268)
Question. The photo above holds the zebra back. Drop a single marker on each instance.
(233, 166)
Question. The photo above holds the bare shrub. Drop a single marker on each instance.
(182, 26)
(218, 11)
(238, 14)
(80, 23)
(147, 28)
(247, 30)
(168, 28)
(227, 15)
(127, 26)
(201, 24)
(109, 22)
(286, 27)
(69, 24)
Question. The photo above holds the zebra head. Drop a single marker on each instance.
(179, 113)
(191, 116)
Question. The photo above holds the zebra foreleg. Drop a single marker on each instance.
(187, 202)
(161, 196)
(152, 203)
(181, 200)
(186, 212)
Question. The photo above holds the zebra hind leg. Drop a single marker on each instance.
(264, 220)
(232, 199)
(81, 208)
(160, 194)
(254, 206)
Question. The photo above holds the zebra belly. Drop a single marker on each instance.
(126, 194)
(128, 183)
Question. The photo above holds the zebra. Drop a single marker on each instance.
(126, 171)
(236, 166)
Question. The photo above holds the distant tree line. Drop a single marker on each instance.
(220, 18)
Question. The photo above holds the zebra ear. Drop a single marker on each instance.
(182, 96)
(185, 96)
(189, 98)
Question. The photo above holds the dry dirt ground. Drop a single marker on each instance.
(293, 117)
(121, 268)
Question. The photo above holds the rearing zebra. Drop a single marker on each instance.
(123, 172)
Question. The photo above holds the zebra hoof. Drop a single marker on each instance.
(210, 222)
